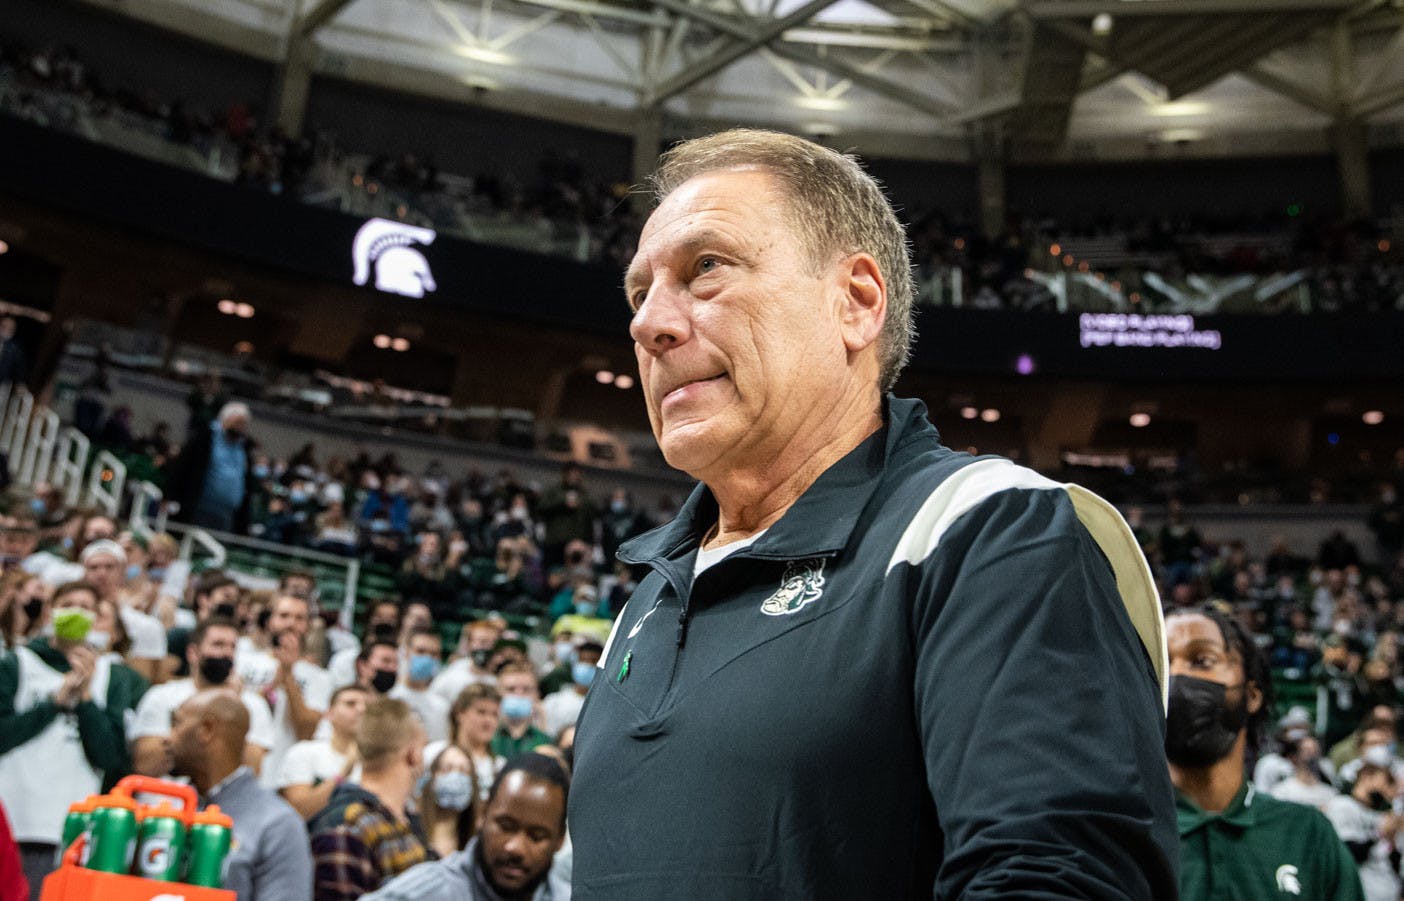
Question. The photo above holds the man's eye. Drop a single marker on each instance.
(637, 298)
(707, 264)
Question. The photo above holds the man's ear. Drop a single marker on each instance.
(1254, 698)
(864, 299)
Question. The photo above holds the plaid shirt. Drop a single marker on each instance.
(357, 844)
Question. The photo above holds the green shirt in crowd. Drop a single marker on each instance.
(505, 746)
(1262, 848)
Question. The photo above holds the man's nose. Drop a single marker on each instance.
(662, 321)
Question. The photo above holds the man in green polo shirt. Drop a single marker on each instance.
(1236, 843)
(518, 734)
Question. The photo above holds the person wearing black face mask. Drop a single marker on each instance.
(210, 655)
(1234, 841)
(382, 624)
(378, 667)
(1367, 821)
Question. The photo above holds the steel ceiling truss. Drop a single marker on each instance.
(1048, 46)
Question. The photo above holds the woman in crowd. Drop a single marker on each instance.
(1306, 784)
(473, 721)
(449, 802)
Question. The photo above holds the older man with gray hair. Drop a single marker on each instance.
(210, 480)
(862, 665)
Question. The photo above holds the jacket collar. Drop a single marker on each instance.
(820, 522)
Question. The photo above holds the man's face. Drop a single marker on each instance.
(237, 425)
(385, 618)
(19, 539)
(384, 659)
(736, 331)
(588, 655)
(104, 571)
(481, 638)
(186, 750)
(518, 683)
(298, 585)
(478, 721)
(425, 646)
(226, 596)
(417, 616)
(521, 832)
(346, 711)
(218, 642)
(1197, 649)
(81, 599)
(289, 613)
(99, 528)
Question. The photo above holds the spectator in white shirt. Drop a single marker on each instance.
(425, 648)
(378, 667)
(563, 707)
(479, 638)
(104, 567)
(210, 654)
(1307, 784)
(1367, 825)
(297, 690)
(382, 624)
(313, 769)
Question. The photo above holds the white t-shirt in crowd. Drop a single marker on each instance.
(1295, 790)
(147, 635)
(1356, 823)
(561, 709)
(457, 676)
(153, 714)
(340, 640)
(342, 667)
(310, 762)
(432, 709)
(258, 669)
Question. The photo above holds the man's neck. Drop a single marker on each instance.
(517, 729)
(1214, 787)
(342, 743)
(391, 788)
(751, 499)
(215, 772)
(417, 686)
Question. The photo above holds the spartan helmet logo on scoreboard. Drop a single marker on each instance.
(389, 248)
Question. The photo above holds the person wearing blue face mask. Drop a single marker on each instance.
(561, 709)
(448, 801)
(518, 734)
(425, 648)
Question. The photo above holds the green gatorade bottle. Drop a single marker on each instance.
(210, 837)
(80, 814)
(160, 844)
(112, 834)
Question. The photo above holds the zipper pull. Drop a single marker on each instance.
(624, 669)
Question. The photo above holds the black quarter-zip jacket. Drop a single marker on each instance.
(936, 675)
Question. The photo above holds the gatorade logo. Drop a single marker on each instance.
(155, 857)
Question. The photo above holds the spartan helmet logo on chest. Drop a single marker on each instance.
(801, 584)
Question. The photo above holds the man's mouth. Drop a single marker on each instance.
(682, 390)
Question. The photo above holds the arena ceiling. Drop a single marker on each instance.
(952, 79)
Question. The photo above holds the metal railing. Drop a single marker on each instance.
(41, 450)
(280, 558)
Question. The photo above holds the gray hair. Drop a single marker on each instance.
(232, 409)
(837, 207)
